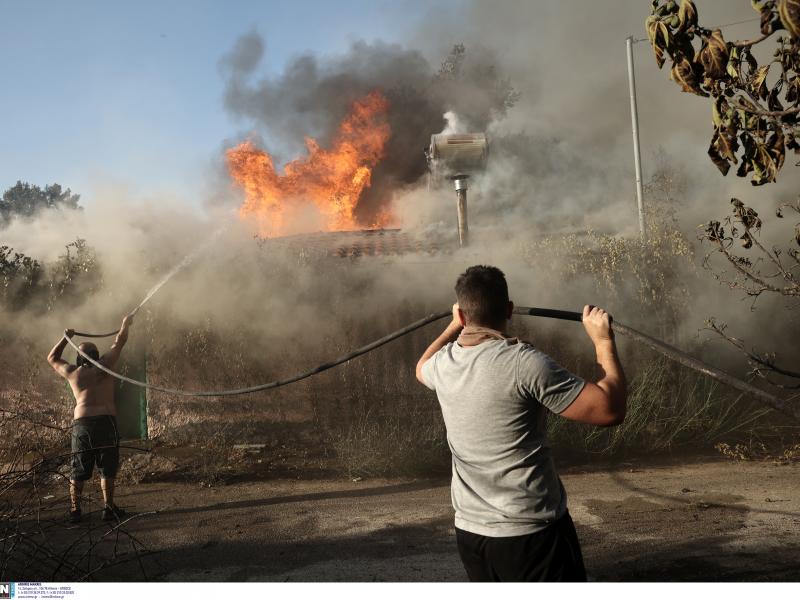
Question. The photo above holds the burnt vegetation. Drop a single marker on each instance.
(756, 117)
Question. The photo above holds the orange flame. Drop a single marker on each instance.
(330, 180)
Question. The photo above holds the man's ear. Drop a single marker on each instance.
(510, 310)
(461, 318)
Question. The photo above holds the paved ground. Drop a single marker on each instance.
(709, 521)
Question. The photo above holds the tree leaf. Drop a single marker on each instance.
(663, 31)
(773, 99)
(758, 85)
(777, 148)
(727, 144)
(683, 74)
(687, 15)
(744, 168)
(792, 143)
(764, 166)
(751, 60)
(793, 91)
(768, 19)
(655, 42)
(758, 5)
(650, 26)
(745, 240)
(718, 109)
(789, 13)
(748, 154)
(714, 55)
(713, 152)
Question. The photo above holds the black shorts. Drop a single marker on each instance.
(94, 440)
(553, 554)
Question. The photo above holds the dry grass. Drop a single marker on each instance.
(412, 442)
(669, 408)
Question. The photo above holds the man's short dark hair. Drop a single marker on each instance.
(482, 294)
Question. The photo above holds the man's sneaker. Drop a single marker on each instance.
(112, 512)
(75, 515)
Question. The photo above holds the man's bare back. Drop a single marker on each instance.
(94, 392)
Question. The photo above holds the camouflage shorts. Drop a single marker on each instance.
(94, 441)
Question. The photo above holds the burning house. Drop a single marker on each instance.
(310, 213)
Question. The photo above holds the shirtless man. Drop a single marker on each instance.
(94, 430)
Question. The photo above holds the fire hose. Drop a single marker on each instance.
(672, 353)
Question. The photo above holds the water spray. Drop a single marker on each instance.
(187, 260)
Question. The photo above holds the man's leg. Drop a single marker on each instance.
(75, 491)
(107, 485)
(108, 464)
(472, 548)
(82, 463)
(111, 511)
(574, 569)
(553, 554)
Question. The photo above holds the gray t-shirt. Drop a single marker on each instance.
(493, 398)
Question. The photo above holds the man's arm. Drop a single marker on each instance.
(59, 365)
(450, 334)
(110, 358)
(602, 403)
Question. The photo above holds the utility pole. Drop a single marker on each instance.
(637, 155)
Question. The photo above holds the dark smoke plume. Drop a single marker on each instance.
(312, 95)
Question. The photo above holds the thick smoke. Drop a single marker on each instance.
(133, 239)
(313, 94)
(567, 60)
(561, 156)
(546, 81)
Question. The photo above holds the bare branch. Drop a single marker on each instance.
(732, 258)
(752, 42)
(765, 365)
(768, 113)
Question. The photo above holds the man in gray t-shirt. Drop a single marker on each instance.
(511, 519)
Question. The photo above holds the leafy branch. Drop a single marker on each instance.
(756, 117)
(745, 225)
(756, 108)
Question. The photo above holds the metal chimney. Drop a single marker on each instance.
(454, 157)
(460, 183)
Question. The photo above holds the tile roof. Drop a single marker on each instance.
(367, 242)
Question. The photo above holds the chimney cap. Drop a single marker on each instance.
(460, 181)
